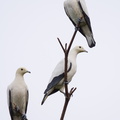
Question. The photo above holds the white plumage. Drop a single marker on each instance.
(76, 10)
(17, 93)
(56, 82)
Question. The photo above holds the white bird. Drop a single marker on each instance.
(56, 82)
(17, 93)
(77, 12)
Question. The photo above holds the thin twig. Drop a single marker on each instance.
(66, 66)
(61, 45)
(73, 37)
(70, 44)
(72, 90)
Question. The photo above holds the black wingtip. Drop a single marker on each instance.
(42, 102)
(93, 44)
(44, 98)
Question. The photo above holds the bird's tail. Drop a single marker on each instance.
(91, 41)
(45, 97)
(23, 117)
(17, 118)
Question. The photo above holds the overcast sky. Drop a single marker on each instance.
(28, 38)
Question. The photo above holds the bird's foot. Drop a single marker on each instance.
(63, 92)
(24, 117)
(78, 23)
(66, 82)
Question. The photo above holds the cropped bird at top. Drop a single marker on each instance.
(56, 82)
(77, 12)
(17, 93)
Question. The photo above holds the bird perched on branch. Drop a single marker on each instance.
(17, 93)
(77, 12)
(56, 82)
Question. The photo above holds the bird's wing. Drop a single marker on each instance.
(85, 15)
(27, 96)
(69, 16)
(58, 78)
(10, 104)
(67, 13)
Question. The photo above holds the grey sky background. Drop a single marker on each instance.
(28, 35)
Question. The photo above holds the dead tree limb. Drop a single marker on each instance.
(66, 52)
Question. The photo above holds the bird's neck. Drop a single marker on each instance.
(72, 55)
(19, 77)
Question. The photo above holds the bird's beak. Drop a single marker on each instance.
(85, 51)
(28, 72)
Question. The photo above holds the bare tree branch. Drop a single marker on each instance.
(67, 94)
(66, 52)
(70, 44)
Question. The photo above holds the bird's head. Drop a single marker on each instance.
(22, 71)
(79, 49)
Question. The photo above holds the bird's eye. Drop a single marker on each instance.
(79, 46)
(21, 69)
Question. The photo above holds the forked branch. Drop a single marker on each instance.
(66, 52)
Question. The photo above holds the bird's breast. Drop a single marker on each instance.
(19, 92)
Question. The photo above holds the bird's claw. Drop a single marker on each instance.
(78, 24)
(24, 117)
(66, 82)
